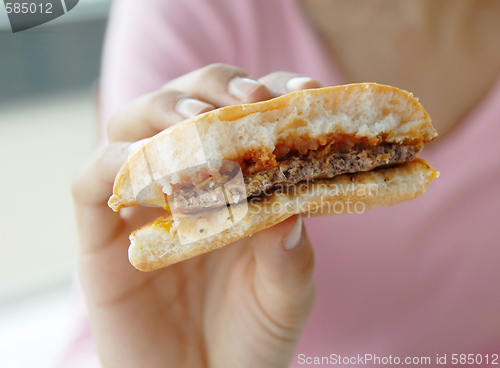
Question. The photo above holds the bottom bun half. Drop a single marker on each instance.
(169, 239)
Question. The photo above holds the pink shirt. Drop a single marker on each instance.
(413, 280)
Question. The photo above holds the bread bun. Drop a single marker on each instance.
(344, 123)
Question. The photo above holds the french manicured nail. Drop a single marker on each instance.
(293, 237)
(300, 83)
(189, 107)
(241, 87)
(137, 145)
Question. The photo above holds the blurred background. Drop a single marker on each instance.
(48, 77)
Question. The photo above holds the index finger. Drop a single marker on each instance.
(216, 85)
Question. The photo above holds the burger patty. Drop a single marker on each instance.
(295, 169)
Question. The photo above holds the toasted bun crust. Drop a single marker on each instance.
(157, 244)
(374, 112)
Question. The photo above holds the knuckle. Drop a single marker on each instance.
(220, 71)
(166, 99)
(163, 105)
(215, 68)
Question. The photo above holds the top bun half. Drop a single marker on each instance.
(364, 114)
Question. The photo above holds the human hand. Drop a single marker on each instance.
(241, 306)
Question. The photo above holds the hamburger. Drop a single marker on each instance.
(234, 171)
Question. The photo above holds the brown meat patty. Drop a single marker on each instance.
(299, 168)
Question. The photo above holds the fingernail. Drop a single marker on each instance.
(137, 146)
(189, 107)
(241, 87)
(300, 83)
(293, 237)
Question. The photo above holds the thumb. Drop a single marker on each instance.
(284, 262)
